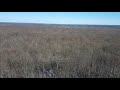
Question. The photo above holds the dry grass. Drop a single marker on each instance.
(33, 51)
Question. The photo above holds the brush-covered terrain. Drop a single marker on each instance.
(51, 51)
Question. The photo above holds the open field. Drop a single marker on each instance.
(48, 51)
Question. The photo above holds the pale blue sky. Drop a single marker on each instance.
(102, 18)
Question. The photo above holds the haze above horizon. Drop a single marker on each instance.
(89, 18)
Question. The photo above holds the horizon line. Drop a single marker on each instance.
(55, 23)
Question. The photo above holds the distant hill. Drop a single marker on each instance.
(76, 25)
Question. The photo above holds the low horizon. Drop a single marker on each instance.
(55, 23)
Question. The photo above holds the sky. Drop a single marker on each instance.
(92, 18)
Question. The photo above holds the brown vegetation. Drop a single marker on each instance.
(33, 51)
